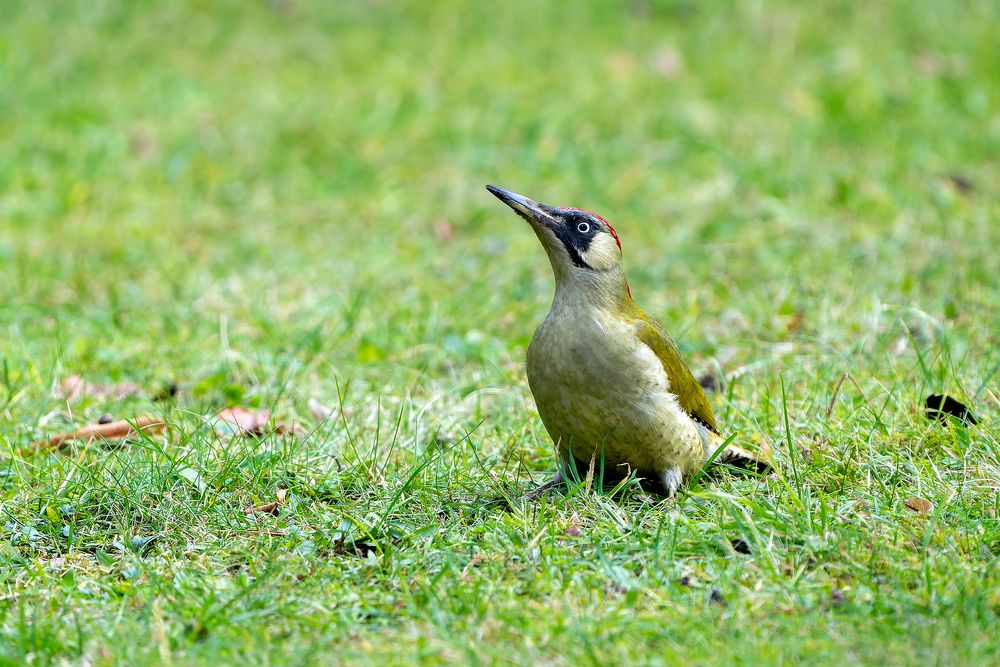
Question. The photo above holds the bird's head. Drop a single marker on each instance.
(582, 246)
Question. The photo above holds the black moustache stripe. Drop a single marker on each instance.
(574, 243)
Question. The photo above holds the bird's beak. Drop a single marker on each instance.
(530, 210)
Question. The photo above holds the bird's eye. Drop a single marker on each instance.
(583, 227)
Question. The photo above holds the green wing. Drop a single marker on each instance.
(682, 383)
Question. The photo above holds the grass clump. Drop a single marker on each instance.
(264, 203)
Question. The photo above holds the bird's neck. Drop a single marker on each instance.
(586, 289)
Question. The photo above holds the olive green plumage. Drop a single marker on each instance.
(606, 378)
(687, 389)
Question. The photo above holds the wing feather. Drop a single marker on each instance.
(689, 393)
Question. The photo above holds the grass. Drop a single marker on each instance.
(269, 202)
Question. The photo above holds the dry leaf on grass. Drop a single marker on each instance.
(573, 528)
(919, 505)
(269, 508)
(765, 453)
(319, 411)
(240, 421)
(794, 322)
(667, 62)
(73, 388)
(282, 428)
(109, 431)
(443, 231)
(942, 407)
(476, 559)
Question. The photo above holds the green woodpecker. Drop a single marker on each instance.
(606, 378)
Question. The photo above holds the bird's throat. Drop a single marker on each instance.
(584, 288)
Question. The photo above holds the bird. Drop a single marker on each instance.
(608, 382)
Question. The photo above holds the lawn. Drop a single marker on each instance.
(262, 204)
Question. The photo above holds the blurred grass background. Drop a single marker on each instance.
(267, 201)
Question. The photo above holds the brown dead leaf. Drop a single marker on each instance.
(476, 559)
(240, 421)
(109, 431)
(319, 411)
(573, 529)
(237, 421)
(269, 508)
(443, 231)
(765, 451)
(284, 428)
(794, 322)
(919, 505)
(667, 62)
(142, 144)
(74, 387)
(71, 389)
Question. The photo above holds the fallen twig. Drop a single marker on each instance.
(110, 431)
(269, 508)
(836, 392)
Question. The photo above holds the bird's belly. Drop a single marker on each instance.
(596, 393)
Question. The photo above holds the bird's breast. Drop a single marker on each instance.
(596, 385)
(591, 354)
